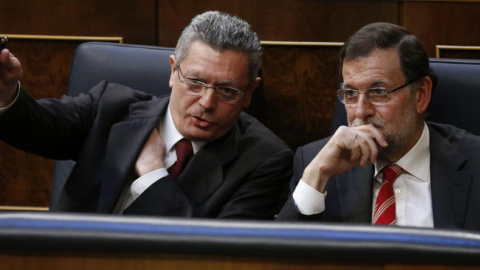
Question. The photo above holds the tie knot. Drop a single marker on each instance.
(391, 172)
(184, 150)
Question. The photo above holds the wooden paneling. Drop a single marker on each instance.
(25, 179)
(280, 20)
(160, 261)
(462, 52)
(186, 262)
(299, 87)
(452, 23)
(134, 20)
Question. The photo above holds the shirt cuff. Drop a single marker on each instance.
(143, 182)
(14, 100)
(308, 200)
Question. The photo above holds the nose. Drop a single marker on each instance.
(364, 108)
(207, 98)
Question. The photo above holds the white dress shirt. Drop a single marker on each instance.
(413, 198)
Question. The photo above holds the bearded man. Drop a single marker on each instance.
(389, 166)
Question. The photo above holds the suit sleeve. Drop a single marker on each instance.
(260, 195)
(52, 128)
(290, 211)
(162, 198)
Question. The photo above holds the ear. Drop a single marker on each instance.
(249, 92)
(173, 66)
(424, 94)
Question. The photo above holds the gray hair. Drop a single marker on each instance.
(222, 31)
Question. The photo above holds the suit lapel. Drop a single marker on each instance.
(204, 173)
(355, 189)
(450, 186)
(125, 142)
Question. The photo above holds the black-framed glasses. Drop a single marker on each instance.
(377, 95)
(196, 87)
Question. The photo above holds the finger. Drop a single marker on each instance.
(375, 134)
(355, 152)
(347, 141)
(356, 144)
(363, 142)
(6, 58)
(4, 55)
(10, 67)
(372, 146)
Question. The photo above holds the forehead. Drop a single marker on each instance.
(381, 66)
(226, 64)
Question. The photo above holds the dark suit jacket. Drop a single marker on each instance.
(241, 175)
(454, 173)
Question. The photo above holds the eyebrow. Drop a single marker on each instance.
(226, 82)
(194, 74)
(372, 85)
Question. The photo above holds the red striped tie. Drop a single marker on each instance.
(385, 213)
(184, 151)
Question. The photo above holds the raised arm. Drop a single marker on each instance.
(10, 74)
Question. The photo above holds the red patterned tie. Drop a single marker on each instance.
(384, 213)
(184, 151)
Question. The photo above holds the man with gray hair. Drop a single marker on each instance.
(194, 153)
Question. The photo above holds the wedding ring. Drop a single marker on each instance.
(354, 137)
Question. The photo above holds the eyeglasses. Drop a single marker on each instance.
(377, 95)
(196, 87)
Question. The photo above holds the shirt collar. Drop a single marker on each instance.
(171, 136)
(417, 161)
